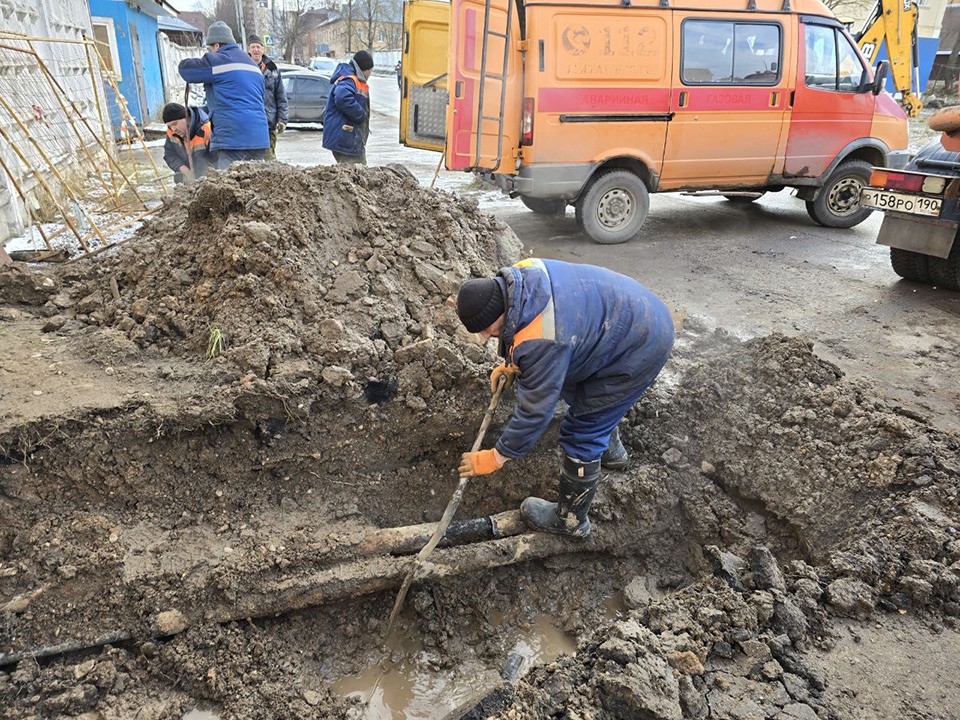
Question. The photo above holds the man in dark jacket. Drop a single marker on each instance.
(274, 96)
(187, 165)
(234, 87)
(594, 338)
(346, 120)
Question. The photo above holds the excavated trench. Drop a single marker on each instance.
(198, 532)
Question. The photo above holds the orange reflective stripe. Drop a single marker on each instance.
(532, 331)
(361, 85)
(203, 137)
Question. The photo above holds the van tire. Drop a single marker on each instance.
(545, 206)
(613, 207)
(910, 265)
(837, 204)
(945, 273)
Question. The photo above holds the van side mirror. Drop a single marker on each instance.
(880, 76)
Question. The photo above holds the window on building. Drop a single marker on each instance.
(105, 34)
(730, 53)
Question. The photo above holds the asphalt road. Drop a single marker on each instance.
(750, 270)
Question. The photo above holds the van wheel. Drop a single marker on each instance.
(544, 206)
(613, 207)
(838, 202)
(744, 199)
(946, 273)
(910, 265)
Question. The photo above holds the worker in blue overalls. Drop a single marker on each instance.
(591, 336)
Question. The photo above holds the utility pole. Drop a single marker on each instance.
(243, 30)
(349, 27)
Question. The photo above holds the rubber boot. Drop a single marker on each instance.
(567, 516)
(616, 457)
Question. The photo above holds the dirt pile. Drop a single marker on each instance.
(331, 276)
(762, 442)
(769, 499)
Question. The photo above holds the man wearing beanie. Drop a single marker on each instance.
(584, 334)
(274, 96)
(346, 120)
(191, 163)
(234, 87)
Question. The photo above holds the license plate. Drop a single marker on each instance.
(900, 202)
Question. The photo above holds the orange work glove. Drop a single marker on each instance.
(482, 462)
(509, 371)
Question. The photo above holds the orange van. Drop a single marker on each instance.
(597, 104)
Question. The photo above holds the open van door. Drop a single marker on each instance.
(423, 89)
(486, 79)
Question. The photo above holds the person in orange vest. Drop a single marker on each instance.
(175, 148)
(346, 120)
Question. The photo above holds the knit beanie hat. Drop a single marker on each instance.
(363, 59)
(254, 39)
(219, 32)
(174, 111)
(479, 304)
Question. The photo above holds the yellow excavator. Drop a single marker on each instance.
(895, 23)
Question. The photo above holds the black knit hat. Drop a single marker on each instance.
(363, 59)
(479, 304)
(254, 39)
(174, 111)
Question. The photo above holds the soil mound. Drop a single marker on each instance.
(328, 276)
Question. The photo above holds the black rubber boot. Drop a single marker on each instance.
(568, 516)
(616, 457)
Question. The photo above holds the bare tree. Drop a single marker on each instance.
(225, 10)
(291, 27)
(374, 24)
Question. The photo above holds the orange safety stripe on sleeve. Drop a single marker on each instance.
(361, 85)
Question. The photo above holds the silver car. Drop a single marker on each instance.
(306, 96)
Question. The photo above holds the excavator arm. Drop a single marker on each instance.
(895, 23)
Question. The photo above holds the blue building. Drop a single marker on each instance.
(129, 28)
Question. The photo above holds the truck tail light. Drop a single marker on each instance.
(896, 180)
(526, 124)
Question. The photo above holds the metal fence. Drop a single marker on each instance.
(63, 173)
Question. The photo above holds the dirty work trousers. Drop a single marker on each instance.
(584, 435)
(350, 159)
(271, 152)
(226, 158)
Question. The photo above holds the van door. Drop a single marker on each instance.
(423, 63)
(729, 100)
(833, 104)
(485, 70)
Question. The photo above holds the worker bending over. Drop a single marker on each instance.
(588, 335)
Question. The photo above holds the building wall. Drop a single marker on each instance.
(141, 82)
(334, 34)
(25, 87)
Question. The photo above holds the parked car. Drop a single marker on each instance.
(324, 65)
(306, 95)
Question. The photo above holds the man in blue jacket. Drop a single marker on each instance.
(594, 338)
(234, 87)
(346, 119)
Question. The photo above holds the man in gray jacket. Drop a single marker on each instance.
(274, 96)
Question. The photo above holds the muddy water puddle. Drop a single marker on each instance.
(410, 688)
